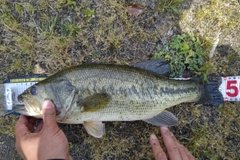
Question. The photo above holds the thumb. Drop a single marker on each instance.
(49, 114)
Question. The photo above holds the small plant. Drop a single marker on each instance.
(70, 29)
(70, 3)
(89, 13)
(184, 52)
(10, 21)
(65, 3)
(48, 29)
(18, 8)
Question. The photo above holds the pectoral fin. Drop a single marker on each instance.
(95, 128)
(163, 119)
(94, 102)
(158, 66)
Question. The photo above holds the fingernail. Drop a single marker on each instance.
(47, 105)
(164, 128)
(153, 136)
(171, 134)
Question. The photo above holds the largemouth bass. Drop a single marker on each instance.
(92, 93)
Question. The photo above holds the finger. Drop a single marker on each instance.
(182, 151)
(185, 154)
(21, 127)
(170, 144)
(49, 115)
(31, 123)
(39, 127)
(190, 156)
(70, 157)
(157, 149)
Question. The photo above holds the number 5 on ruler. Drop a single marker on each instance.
(232, 89)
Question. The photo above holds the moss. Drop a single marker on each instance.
(169, 6)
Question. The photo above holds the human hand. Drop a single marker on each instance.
(47, 141)
(175, 150)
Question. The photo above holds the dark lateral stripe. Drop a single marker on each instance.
(179, 90)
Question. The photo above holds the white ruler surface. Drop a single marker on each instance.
(230, 89)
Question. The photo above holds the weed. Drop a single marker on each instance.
(48, 30)
(29, 8)
(169, 6)
(10, 22)
(70, 2)
(70, 29)
(70, 144)
(89, 13)
(18, 8)
(19, 64)
(209, 155)
(6, 8)
(65, 3)
(184, 52)
(26, 44)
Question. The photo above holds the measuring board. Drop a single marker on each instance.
(16, 86)
(229, 88)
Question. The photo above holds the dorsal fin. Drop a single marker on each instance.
(158, 66)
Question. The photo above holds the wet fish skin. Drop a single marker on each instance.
(107, 92)
(135, 94)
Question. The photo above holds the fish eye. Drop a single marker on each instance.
(33, 90)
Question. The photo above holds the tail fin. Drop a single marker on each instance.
(211, 94)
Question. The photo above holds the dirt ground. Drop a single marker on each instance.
(42, 37)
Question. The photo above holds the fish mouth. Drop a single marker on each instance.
(21, 109)
(27, 109)
(20, 98)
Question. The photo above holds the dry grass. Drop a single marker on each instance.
(212, 18)
(57, 34)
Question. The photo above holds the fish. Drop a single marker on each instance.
(91, 94)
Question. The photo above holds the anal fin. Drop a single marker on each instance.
(163, 119)
(95, 128)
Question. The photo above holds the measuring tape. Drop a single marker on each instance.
(16, 86)
(229, 88)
